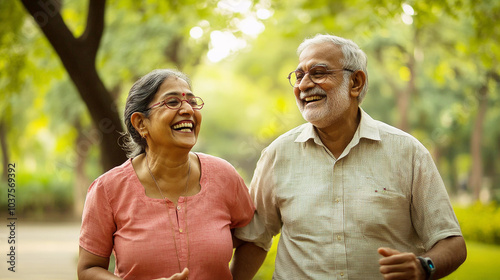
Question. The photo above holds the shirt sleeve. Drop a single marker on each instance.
(432, 214)
(266, 222)
(98, 226)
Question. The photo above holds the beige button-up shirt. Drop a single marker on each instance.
(383, 191)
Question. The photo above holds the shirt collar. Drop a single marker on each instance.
(367, 128)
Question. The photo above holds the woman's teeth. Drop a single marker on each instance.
(185, 127)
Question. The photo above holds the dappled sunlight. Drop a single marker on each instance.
(432, 69)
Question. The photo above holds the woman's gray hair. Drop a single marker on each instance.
(140, 96)
(354, 57)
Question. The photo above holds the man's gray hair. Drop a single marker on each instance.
(354, 57)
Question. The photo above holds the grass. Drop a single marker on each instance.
(483, 262)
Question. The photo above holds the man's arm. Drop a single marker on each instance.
(247, 259)
(447, 254)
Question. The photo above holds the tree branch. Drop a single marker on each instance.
(92, 35)
(78, 57)
(47, 15)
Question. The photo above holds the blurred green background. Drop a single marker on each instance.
(66, 68)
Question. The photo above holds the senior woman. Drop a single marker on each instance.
(166, 213)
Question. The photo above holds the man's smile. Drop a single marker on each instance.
(313, 98)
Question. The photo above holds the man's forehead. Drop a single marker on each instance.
(327, 54)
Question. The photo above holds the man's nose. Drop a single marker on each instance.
(306, 83)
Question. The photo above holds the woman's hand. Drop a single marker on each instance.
(178, 276)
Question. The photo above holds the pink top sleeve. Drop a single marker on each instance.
(97, 220)
(119, 217)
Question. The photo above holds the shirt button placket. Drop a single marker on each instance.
(340, 261)
(183, 246)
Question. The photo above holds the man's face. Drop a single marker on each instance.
(326, 103)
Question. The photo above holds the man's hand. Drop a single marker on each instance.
(395, 265)
(178, 276)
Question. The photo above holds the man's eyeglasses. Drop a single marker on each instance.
(175, 103)
(317, 75)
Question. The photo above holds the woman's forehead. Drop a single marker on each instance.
(174, 86)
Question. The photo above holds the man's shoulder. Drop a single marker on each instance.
(394, 136)
(289, 137)
(388, 129)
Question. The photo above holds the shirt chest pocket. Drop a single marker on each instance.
(377, 207)
(307, 218)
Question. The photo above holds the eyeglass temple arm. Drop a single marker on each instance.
(154, 105)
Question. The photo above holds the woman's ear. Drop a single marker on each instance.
(358, 81)
(138, 121)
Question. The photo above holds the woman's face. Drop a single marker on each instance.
(168, 128)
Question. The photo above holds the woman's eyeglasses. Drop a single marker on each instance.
(175, 103)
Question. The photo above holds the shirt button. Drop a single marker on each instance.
(180, 230)
(337, 200)
(339, 237)
(342, 274)
(178, 208)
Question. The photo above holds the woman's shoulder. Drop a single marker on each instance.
(217, 166)
(115, 176)
(220, 176)
(214, 161)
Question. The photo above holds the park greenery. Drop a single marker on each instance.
(66, 68)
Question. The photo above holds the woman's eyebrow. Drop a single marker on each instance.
(175, 93)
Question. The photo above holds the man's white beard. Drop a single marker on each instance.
(337, 102)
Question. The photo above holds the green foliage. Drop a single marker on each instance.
(480, 222)
(454, 45)
(39, 194)
(248, 100)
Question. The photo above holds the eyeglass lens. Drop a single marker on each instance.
(176, 103)
(317, 75)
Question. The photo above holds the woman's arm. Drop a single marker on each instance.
(93, 267)
(247, 259)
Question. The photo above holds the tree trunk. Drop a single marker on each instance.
(403, 103)
(81, 180)
(78, 56)
(476, 174)
(404, 97)
(5, 150)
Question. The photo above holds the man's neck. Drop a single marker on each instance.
(337, 136)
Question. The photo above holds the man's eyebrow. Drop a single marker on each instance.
(312, 66)
(320, 64)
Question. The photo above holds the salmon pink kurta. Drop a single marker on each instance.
(119, 217)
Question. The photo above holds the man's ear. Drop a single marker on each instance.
(357, 83)
(138, 121)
